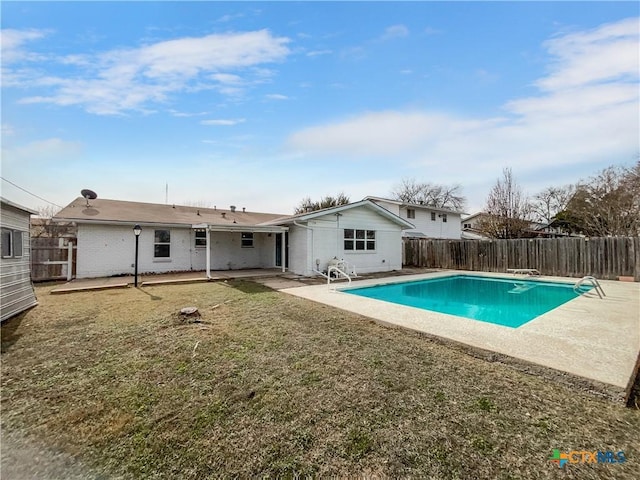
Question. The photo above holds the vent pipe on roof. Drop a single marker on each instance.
(243, 209)
(232, 208)
(198, 212)
(223, 214)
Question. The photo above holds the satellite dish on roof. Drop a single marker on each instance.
(88, 195)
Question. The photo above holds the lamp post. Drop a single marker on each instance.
(136, 231)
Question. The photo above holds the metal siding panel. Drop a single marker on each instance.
(16, 290)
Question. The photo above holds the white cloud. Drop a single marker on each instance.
(395, 31)
(317, 53)
(606, 53)
(277, 96)
(579, 116)
(51, 149)
(12, 42)
(131, 79)
(223, 121)
(8, 130)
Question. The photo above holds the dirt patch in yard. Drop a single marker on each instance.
(265, 384)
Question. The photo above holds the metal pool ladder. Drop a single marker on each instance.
(593, 281)
(335, 269)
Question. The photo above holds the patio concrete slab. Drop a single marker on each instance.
(84, 284)
(592, 338)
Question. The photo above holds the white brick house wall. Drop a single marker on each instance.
(328, 242)
(107, 250)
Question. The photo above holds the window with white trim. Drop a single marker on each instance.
(162, 244)
(433, 216)
(201, 238)
(11, 243)
(444, 217)
(359, 240)
(247, 240)
(411, 213)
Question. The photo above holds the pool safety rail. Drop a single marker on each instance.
(338, 269)
(594, 283)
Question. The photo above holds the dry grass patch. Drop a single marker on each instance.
(272, 385)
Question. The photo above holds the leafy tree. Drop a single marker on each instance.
(606, 204)
(507, 209)
(440, 196)
(308, 205)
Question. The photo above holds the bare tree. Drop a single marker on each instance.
(440, 196)
(551, 201)
(606, 204)
(44, 226)
(308, 205)
(507, 209)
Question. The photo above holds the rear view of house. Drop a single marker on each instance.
(17, 292)
(176, 238)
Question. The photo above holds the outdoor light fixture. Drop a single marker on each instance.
(136, 231)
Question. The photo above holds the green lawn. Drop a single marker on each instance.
(272, 385)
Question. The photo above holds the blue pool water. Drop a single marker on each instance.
(504, 301)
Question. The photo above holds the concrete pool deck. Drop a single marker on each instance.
(588, 337)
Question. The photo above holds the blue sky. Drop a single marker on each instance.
(259, 104)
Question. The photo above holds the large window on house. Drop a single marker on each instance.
(11, 243)
(411, 213)
(359, 240)
(201, 238)
(247, 239)
(162, 244)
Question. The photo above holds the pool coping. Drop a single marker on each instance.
(588, 338)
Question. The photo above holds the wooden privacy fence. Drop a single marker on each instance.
(606, 258)
(52, 259)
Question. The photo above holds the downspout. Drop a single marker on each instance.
(312, 245)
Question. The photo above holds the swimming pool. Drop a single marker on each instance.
(510, 302)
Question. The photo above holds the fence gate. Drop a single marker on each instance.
(53, 259)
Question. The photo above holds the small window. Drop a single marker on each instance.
(162, 244)
(411, 213)
(359, 240)
(201, 238)
(433, 216)
(17, 243)
(7, 243)
(247, 239)
(444, 217)
(467, 225)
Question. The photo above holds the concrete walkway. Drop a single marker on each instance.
(271, 277)
(83, 284)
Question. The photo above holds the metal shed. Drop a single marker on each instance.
(17, 293)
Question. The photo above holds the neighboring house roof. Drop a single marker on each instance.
(414, 235)
(413, 205)
(469, 234)
(19, 207)
(340, 208)
(471, 217)
(123, 212)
